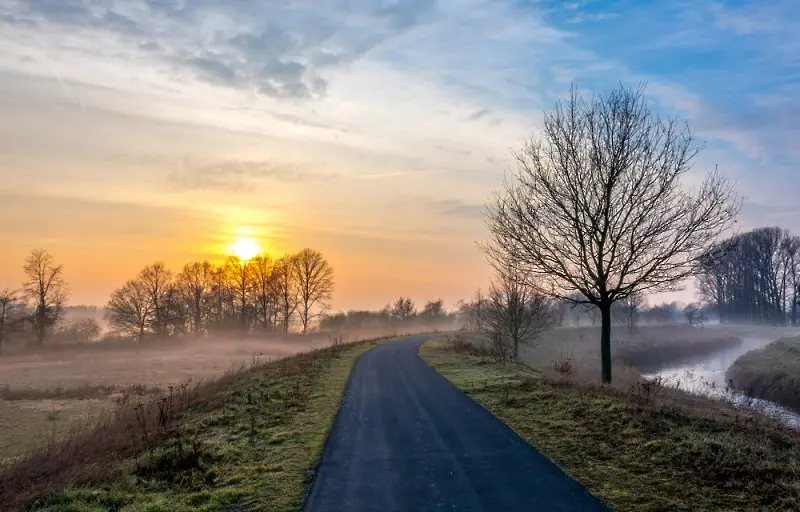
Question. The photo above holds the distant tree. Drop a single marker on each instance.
(130, 309)
(597, 205)
(286, 291)
(663, 313)
(195, 282)
(240, 274)
(791, 249)
(629, 310)
(46, 288)
(265, 301)
(403, 309)
(156, 280)
(11, 314)
(516, 313)
(81, 330)
(751, 277)
(314, 278)
(433, 311)
(473, 313)
(176, 311)
(695, 314)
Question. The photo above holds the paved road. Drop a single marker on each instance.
(405, 439)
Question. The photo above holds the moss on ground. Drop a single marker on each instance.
(633, 450)
(251, 445)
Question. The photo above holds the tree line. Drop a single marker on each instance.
(753, 277)
(401, 313)
(281, 295)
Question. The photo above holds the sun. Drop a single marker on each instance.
(244, 248)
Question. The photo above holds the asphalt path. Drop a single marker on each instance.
(405, 439)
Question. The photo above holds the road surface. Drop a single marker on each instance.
(405, 439)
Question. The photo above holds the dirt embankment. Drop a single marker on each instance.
(771, 373)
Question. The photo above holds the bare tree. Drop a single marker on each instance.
(195, 282)
(597, 205)
(240, 274)
(314, 277)
(516, 313)
(752, 277)
(264, 297)
(695, 314)
(433, 311)
(629, 309)
(403, 309)
(474, 312)
(45, 286)
(286, 291)
(11, 314)
(157, 279)
(131, 309)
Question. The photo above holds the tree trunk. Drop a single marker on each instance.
(605, 342)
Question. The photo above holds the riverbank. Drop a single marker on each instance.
(642, 350)
(770, 373)
(647, 447)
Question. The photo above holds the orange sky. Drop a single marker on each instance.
(108, 192)
(138, 132)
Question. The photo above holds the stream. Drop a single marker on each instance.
(705, 375)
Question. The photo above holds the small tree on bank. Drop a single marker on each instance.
(597, 205)
(515, 313)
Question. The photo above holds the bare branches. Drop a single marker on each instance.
(45, 286)
(597, 203)
(12, 311)
(314, 276)
(753, 277)
(130, 308)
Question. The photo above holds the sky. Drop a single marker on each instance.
(135, 131)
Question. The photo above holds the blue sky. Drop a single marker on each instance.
(372, 130)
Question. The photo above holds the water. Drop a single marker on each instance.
(705, 375)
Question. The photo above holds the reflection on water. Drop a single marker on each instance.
(706, 376)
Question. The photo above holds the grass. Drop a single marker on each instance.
(647, 448)
(772, 373)
(26, 424)
(249, 441)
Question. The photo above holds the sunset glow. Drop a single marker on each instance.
(245, 249)
(135, 132)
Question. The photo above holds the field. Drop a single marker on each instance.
(772, 373)
(43, 395)
(46, 394)
(248, 440)
(642, 448)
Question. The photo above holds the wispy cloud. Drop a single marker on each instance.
(360, 109)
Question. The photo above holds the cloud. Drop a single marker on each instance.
(239, 175)
(284, 57)
(456, 208)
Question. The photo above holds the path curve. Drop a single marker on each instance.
(405, 439)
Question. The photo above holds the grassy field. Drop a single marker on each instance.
(772, 373)
(55, 391)
(647, 448)
(248, 441)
